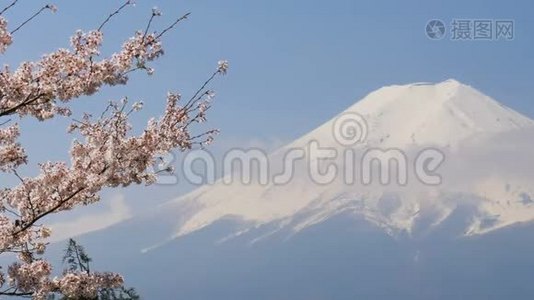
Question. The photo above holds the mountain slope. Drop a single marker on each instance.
(453, 118)
(342, 258)
(307, 240)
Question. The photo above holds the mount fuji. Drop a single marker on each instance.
(468, 236)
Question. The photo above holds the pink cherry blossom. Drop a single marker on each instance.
(104, 153)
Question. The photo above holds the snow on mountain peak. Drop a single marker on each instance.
(440, 114)
(448, 115)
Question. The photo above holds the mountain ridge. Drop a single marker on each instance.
(399, 116)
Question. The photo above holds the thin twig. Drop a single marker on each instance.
(8, 7)
(12, 211)
(18, 176)
(5, 122)
(128, 2)
(204, 134)
(192, 100)
(31, 18)
(148, 25)
(172, 25)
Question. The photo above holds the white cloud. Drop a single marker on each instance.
(117, 211)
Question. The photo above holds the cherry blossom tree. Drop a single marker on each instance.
(104, 153)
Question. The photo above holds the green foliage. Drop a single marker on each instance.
(76, 260)
(121, 293)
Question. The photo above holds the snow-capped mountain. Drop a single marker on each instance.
(449, 116)
(302, 239)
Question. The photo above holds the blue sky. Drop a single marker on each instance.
(294, 63)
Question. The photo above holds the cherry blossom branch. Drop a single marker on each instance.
(110, 71)
(148, 48)
(26, 102)
(29, 224)
(108, 155)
